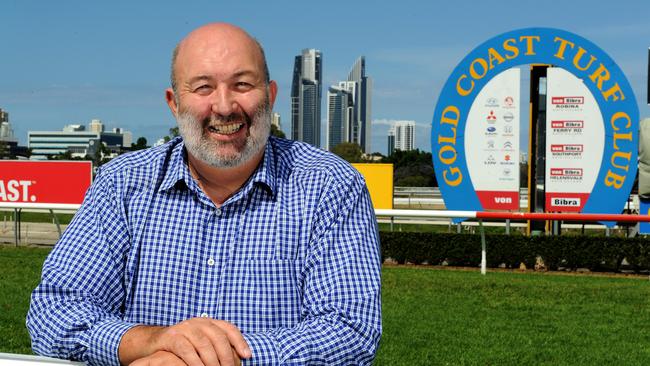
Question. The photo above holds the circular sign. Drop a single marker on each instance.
(580, 57)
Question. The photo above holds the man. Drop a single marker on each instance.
(222, 246)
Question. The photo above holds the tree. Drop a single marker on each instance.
(349, 151)
(140, 144)
(4, 150)
(413, 168)
(275, 131)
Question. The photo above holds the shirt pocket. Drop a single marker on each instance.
(266, 294)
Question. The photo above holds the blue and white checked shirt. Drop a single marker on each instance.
(292, 259)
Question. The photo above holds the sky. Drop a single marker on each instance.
(70, 61)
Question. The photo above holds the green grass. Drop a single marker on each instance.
(25, 216)
(445, 317)
(20, 270)
(442, 317)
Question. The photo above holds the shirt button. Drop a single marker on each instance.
(217, 212)
(204, 315)
(210, 262)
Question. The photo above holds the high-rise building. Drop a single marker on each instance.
(404, 132)
(6, 132)
(361, 118)
(306, 95)
(358, 108)
(96, 126)
(339, 115)
(391, 141)
(276, 121)
(4, 116)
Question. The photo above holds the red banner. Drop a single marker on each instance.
(60, 182)
(499, 200)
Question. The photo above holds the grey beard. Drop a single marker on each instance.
(207, 150)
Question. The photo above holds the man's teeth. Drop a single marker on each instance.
(227, 129)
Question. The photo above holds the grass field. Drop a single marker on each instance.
(447, 317)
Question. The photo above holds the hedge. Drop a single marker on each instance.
(556, 252)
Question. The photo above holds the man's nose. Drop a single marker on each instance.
(223, 101)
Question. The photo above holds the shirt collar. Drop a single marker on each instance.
(178, 169)
(266, 172)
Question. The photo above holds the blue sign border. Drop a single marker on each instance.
(536, 46)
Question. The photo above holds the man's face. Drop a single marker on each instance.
(222, 152)
(222, 103)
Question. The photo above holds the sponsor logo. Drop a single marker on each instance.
(567, 100)
(565, 202)
(491, 118)
(567, 124)
(566, 172)
(507, 145)
(509, 102)
(16, 191)
(491, 130)
(492, 102)
(507, 130)
(490, 144)
(577, 148)
(502, 199)
(508, 117)
(507, 172)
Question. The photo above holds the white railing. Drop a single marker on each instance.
(9, 359)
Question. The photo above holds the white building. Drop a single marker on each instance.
(75, 139)
(404, 132)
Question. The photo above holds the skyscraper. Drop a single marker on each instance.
(306, 95)
(358, 109)
(6, 132)
(339, 115)
(361, 123)
(404, 132)
(391, 140)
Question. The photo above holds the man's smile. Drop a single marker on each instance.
(228, 129)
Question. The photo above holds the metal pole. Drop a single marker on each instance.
(56, 221)
(16, 227)
(507, 226)
(483, 249)
(392, 220)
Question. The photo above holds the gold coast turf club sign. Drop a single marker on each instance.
(604, 83)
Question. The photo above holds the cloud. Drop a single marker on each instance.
(390, 122)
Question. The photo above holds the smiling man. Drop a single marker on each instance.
(222, 246)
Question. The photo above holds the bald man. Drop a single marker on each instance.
(222, 246)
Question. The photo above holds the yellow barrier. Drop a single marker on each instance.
(379, 179)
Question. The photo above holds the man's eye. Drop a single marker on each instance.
(202, 89)
(243, 85)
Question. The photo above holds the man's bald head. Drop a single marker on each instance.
(216, 31)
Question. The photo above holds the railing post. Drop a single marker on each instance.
(483, 249)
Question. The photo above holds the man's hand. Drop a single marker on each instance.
(164, 358)
(160, 358)
(196, 342)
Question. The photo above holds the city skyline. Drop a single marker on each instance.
(74, 61)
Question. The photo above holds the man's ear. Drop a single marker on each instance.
(171, 101)
(273, 92)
